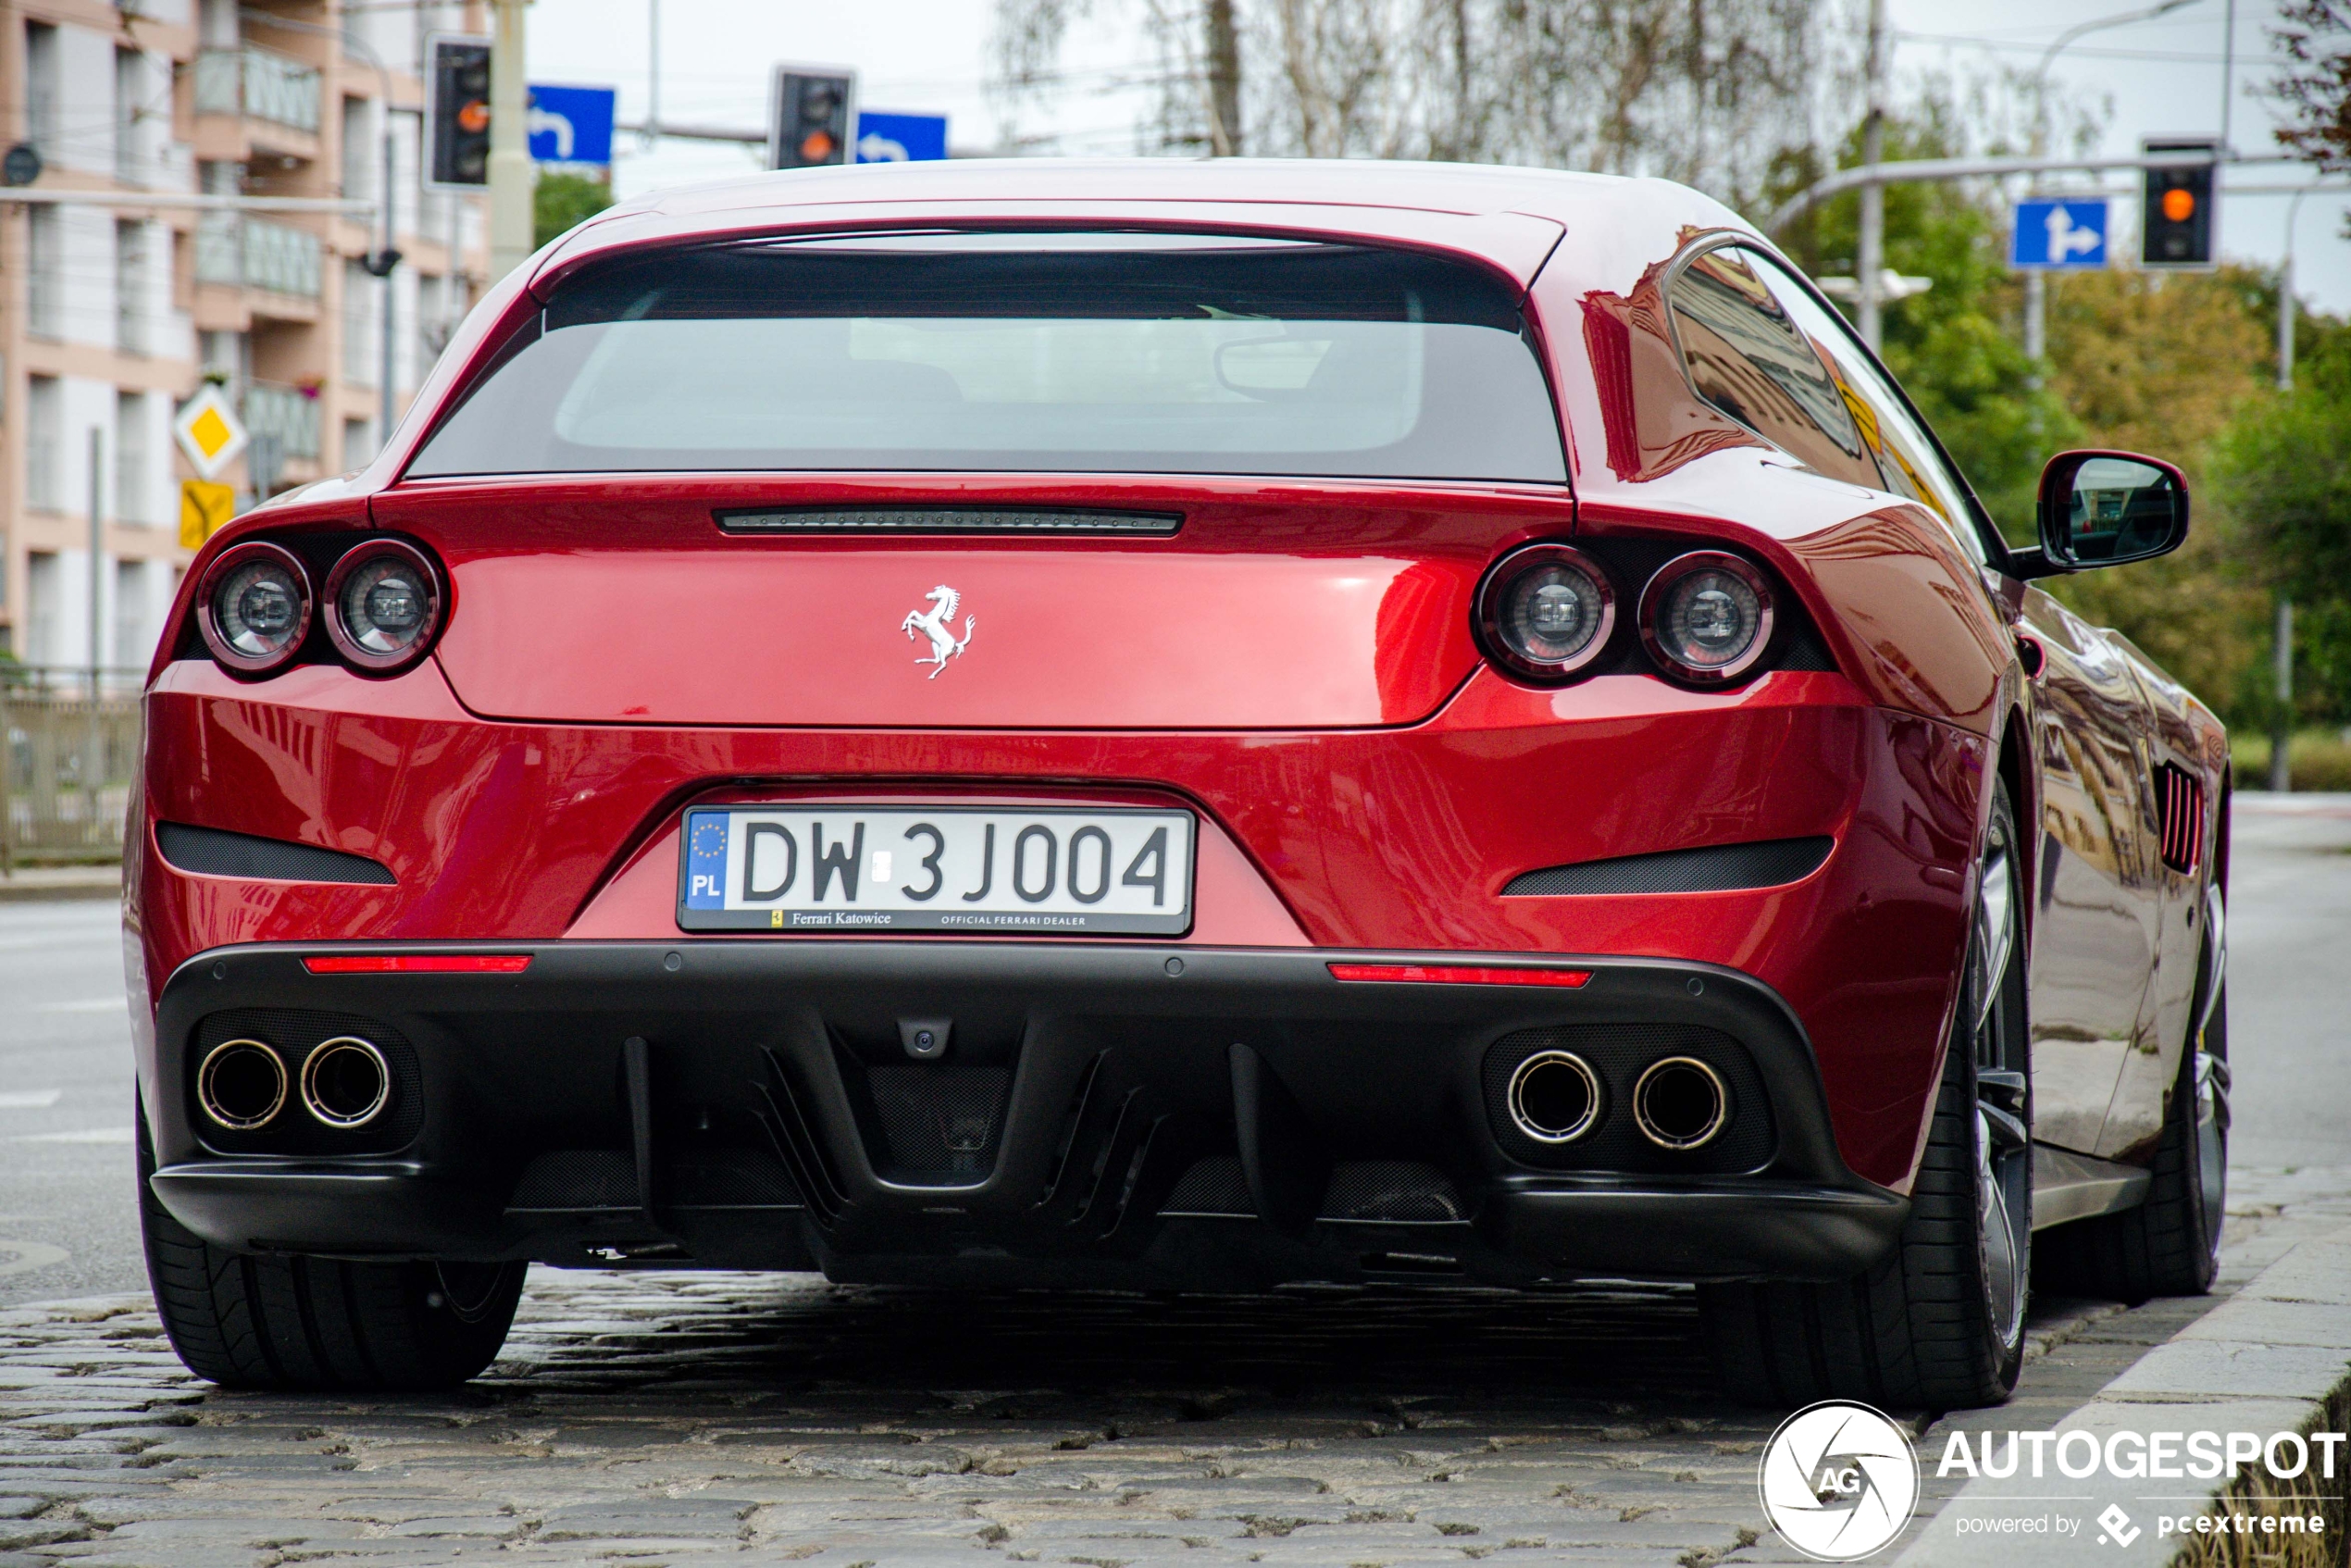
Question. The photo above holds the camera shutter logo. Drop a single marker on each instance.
(1838, 1480)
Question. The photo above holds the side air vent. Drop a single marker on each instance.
(1717, 868)
(209, 851)
(2180, 799)
(956, 520)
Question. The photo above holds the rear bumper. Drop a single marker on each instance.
(748, 1103)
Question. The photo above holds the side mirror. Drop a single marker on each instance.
(2102, 508)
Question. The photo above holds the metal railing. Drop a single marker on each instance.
(288, 413)
(67, 766)
(257, 253)
(258, 83)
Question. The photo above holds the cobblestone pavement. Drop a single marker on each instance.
(673, 1417)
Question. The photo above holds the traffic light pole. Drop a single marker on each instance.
(1865, 175)
(510, 171)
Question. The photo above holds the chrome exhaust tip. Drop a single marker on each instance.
(1555, 1097)
(345, 1082)
(1680, 1103)
(241, 1084)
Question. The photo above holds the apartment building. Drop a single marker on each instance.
(115, 307)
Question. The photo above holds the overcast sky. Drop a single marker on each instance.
(2162, 76)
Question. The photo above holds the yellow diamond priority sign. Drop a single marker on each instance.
(209, 432)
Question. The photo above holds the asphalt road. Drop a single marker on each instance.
(67, 1227)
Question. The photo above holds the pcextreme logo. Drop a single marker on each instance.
(1838, 1480)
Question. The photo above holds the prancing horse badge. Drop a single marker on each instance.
(938, 623)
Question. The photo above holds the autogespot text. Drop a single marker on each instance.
(2195, 1456)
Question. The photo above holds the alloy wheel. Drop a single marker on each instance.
(2211, 1139)
(2003, 1139)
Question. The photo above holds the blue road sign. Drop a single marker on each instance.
(571, 124)
(888, 138)
(2053, 234)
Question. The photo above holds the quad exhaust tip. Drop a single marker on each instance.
(1679, 1103)
(345, 1082)
(1555, 1097)
(241, 1084)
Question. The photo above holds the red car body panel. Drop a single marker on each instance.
(1297, 664)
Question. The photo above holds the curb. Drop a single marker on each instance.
(34, 887)
(2274, 1357)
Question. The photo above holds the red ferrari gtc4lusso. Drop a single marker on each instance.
(1172, 725)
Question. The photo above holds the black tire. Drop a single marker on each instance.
(289, 1322)
(2169, 1245)
(1937, 1323)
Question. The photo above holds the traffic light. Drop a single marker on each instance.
(813, 116)
(456, 111)
(2175, 228)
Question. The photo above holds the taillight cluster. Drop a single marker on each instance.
(384, 601)
(1548, 613)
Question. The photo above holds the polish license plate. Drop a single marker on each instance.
(936, 868)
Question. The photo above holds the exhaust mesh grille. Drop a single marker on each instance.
(1717, 868)
(209, 851)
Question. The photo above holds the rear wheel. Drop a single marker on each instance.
(2169, 1245)
(285, 1321)
(1939, 1322)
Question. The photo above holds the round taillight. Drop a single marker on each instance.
(1707, 617)
(1546, 612)
(254, 607)
(383, 605)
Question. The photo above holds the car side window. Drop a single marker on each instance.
(1907, 455)
(1746, 357)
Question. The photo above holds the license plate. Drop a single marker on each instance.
(936, 868)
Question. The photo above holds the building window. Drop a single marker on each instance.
(45, 272)
(358, 445)
(131, 287)
(45, 443)
(131, 498)
(44, 609)
(131, 644)
(356, 185)
(228, 355)
(359, 316)
(40, 87)
(129, 109)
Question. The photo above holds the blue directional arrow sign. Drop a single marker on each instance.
(888, 138)
(2052, 235)
(571, 124)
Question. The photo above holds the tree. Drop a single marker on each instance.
(2315, 86)
(2284, 472)
(2166, 363)
(1698, 91)
(564, 201)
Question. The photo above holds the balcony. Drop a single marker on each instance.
(288, 413)
(257, 85)
(253, 253)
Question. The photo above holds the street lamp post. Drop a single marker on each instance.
(2281, 650)
(2036, 284)
(510, 171)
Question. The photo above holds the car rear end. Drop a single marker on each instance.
(1029, 753)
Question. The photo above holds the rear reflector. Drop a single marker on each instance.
(1459, 974)
(420, 964)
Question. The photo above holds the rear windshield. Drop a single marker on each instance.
(1101, 353)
